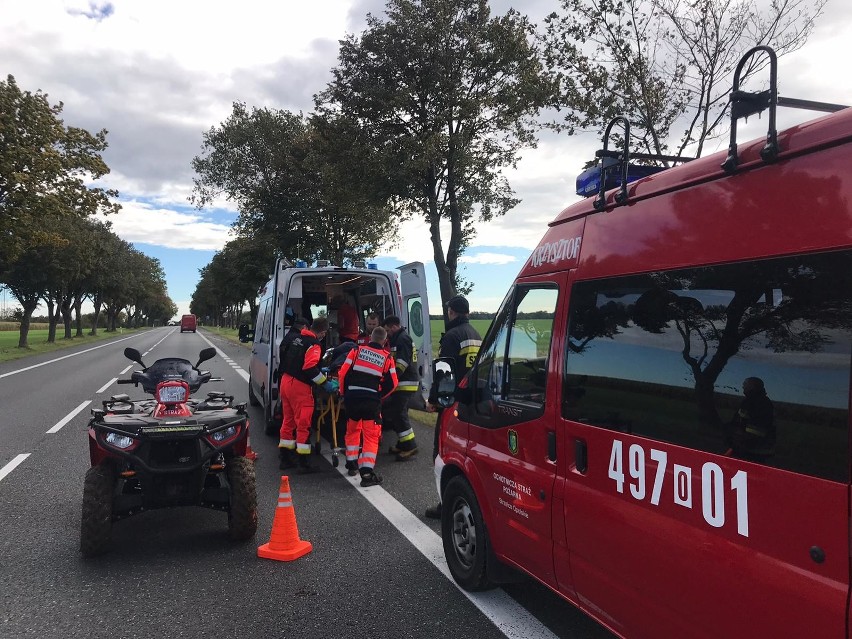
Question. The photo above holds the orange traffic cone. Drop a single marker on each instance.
(284, 543)
(250, 454)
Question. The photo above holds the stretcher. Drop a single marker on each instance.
(329, 405)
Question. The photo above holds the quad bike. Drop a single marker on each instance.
(167, 451)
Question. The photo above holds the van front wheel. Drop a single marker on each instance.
(464, 535)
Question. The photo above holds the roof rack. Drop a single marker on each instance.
(612, 160)
(744, 104)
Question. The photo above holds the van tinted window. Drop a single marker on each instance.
(666, 355)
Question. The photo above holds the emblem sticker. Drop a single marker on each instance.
(513, 442)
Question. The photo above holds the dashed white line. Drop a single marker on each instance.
(69, 417)
(107, 385)
(512, 619)
(57, 359)
(12, 465)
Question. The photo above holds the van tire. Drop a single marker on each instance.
(466, 544)
(252, 399)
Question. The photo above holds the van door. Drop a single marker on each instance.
(415, 317)
(260, 349)
(704, 509)
(512, 437)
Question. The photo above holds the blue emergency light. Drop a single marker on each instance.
(373, 266)
(589, 181)
(301, 264)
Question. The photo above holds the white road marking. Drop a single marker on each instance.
(88, 350)
(107, 385)
(12, 465)
(69, 417)
(512, 619)
(227, 359)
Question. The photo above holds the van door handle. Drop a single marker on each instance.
(551, 445)
(581, 458)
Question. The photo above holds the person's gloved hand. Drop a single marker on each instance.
(330, 386)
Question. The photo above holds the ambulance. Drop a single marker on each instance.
(603, 444)
(308, 292)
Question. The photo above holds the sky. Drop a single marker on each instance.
(157, 74)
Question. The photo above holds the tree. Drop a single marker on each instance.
(44, 167)
(446, 96)
(665, 64)
(285, 179)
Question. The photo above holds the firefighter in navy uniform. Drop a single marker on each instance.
(367, 375)
(395, 407)
(461, 342)
(301, 374)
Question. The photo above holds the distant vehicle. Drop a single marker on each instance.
(188, 323)
(306, 291)
(172, 322)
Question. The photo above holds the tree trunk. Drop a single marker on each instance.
(52, 320)
(78, 318)
(65, 309)
(28, 308)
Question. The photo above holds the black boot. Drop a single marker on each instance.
(405, 450)
(434, 512)
(370, 478)
(305, 467)
(352, 468)
(286, 458)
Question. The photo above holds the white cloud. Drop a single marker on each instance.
(488, 258)
(141, 222)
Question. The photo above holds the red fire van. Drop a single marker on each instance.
(188, 323)
(657, 423)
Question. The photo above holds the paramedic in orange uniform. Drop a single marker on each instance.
(301, 372)
(348, 326)
(367, 375)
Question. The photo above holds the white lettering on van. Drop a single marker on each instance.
(713, 493)
(554, 252)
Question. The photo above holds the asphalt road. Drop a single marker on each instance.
(376, 569)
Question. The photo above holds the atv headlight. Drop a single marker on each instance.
(119, 441)
(226, 433)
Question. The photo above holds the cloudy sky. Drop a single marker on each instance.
(156, 74)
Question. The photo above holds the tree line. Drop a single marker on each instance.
(53, 248)
(432, 102)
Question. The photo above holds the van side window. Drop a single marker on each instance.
(513, 362)
(667, 355)
(266, 325)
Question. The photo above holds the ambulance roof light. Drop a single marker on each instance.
(359, 264)
(373, 266)
(301, 264)
(322, 263)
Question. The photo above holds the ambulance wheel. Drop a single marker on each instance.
(464, 535)
(252, 399)
(96, 521)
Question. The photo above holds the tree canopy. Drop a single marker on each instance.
(447, 96)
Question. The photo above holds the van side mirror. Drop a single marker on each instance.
(246, 334)
(444, 378)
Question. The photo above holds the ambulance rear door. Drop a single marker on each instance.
(415, 317)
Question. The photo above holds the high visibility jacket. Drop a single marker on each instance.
(405, 359)
(368, 373)
(302, 357)
(461, 342)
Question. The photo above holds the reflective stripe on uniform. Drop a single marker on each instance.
(319, 378)
(287, 443)
(406, 435)
(363, 388)
(407, 386)
(303, 449)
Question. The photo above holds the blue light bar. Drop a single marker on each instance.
(301, 264)
(373, 266)
(589, 181)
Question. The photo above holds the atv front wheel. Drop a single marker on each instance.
(96, 523)
(242, 517)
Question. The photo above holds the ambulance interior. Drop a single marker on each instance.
(316, 295)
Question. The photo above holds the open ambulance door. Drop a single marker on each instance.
(415, 317)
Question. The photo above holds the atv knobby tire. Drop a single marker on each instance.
(242, 517)
(96, 523)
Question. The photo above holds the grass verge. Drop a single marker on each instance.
(38, 343)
